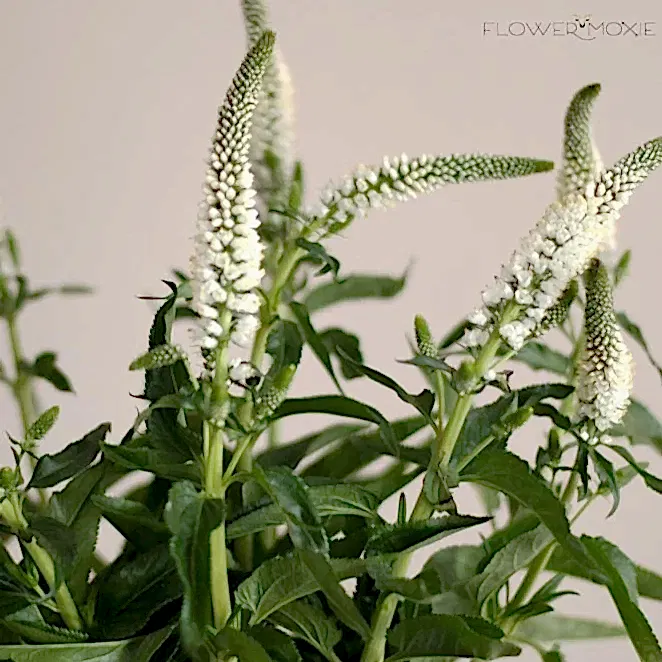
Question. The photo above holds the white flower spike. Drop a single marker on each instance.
(226, 267)
(558, 250)
(273, 121)
(401, 178)
(606, 369)
(581, 163)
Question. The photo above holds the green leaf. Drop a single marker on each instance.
(53, 469)
(649, 584)
(539, 356)
(605, 470)
(338, 341)
(44, 366)
(556, 627)
(424, 401)
(133, 588)
(640, 426)
(327, 500)
(338, 600)
(282, 580)
(515, 556)
(140, 649)
(191, 518)
(291, 454)
(354, 287)
(616, 566)
(653, 482)
(31, 626)
(622, 268)
(340, 406)
(317, 254)
(73, 507)
(133, 520)
(509, 474)
(278, 645)
(313, 339)
(234, 642)
(15, 586)
(443, 635)
(160, 463)
(284, 345)
(290, 494)
(397, 539)
(635, 332)
(57, 540)
(357, 451)
(305, 619)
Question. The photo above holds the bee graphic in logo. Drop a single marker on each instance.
(582, 20)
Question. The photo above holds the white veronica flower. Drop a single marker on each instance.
(401, 178)
(226, 267)
(606, 369)
(558, 250)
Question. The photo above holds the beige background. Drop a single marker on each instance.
(106, 109)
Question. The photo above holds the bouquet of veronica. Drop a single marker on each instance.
(239, 544)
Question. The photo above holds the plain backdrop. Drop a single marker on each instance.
(106, 111)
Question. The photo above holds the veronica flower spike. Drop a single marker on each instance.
(226, 267)
(559, 249)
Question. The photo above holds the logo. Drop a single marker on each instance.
(583, 27)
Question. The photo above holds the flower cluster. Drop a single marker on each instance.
(226, 267)
(606, 369)
(558, 250)
(400, 178)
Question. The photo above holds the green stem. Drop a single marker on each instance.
(213, 481)
(11, 512)
(244, 546)
(423, 509)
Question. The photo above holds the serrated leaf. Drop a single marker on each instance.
(305, 619)
(341, 604)
(511, 475)
(515, 556)
(53, 469)
(191, 518)
(277, 644)
(30, 625)
(15, 587)
(282, 580)
(56, 539)
(619, 572)
(160, 463)
(397, 539)
(290, 494)
(133, 520)
(557, 627)
(442, 635)
(354, 287)
(284, 345)
(140, 649)
(340, 406)
(328, 500)
(132, 588)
